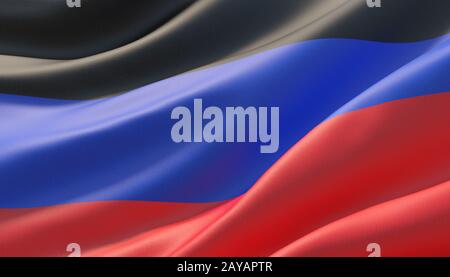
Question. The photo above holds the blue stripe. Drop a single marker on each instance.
(119, 148)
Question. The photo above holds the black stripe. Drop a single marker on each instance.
(206, 32)
(49, 29)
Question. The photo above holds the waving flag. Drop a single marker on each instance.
(86, 153)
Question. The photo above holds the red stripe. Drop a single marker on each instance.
(47, 231)
(414, 225)
(347, 164)
(313, 201)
